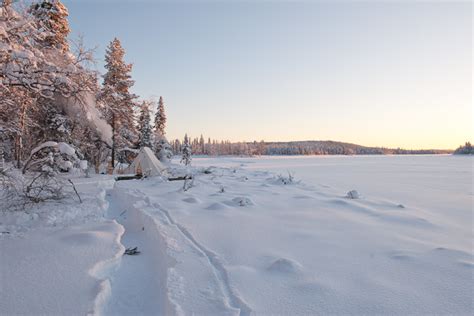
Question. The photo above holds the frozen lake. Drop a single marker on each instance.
(442, 184)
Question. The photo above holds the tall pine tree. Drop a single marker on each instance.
(160, 118)
(118, 102)
(162, 147)
(144, 126)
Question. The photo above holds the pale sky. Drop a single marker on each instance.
(387, 73)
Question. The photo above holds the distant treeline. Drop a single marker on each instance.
(216, 148)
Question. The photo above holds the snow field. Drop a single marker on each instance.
(244, 240)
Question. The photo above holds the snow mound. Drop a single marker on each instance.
(402, 255)
(241, 201)
(302, 197)
(467, 264)
(283, 265)
(353, 195)
(216, 207)
(191, 200)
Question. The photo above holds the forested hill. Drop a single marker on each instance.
(338, 148)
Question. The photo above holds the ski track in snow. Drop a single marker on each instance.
(124, 284)
(138, 284)
(220, 272)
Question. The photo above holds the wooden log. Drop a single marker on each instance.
(128, 177)
(180, 178)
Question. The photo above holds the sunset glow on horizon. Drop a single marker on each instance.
(391, 74)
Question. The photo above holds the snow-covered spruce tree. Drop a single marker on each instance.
(32, 70)
(117, 100)
(144, 126)
(162, 147)
(51, 16)
(160, 118)
(186, 150)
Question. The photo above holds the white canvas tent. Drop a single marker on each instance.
(146, 164)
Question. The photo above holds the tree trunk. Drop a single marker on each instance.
(113, 140)
(18, 146)
(19, 137)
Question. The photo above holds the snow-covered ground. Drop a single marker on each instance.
(55, 257)
(241, 241)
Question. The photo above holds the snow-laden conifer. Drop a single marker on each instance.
(186, 150)
(144, 126)
(117, 101)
